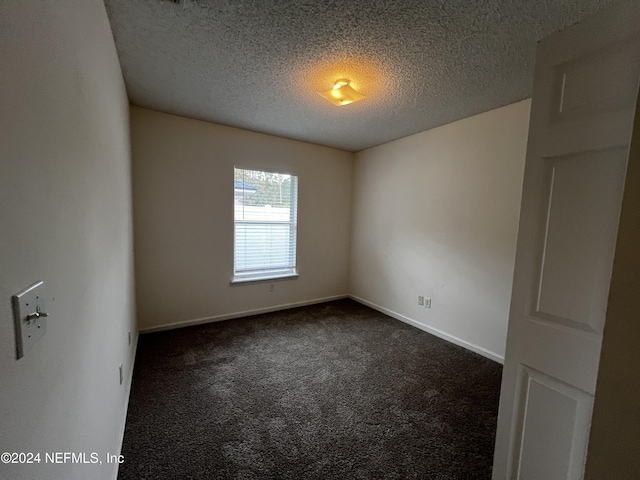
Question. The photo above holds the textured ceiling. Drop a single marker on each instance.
(258, 64)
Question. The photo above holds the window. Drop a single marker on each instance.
(265, 218)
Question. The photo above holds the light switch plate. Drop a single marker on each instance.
(29, 314)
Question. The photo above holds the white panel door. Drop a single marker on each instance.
(584, 96)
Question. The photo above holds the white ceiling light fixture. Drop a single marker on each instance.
(342, 93)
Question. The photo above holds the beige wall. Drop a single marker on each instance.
(436, 214)
(614, 443)
(183, 210)
(65, 218)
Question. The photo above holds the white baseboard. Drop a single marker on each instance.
(434, 331)
(127, 395)
(245, 313)
(426, 328)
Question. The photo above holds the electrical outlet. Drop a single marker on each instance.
(271, 287)
(420, 300)
(427, 302)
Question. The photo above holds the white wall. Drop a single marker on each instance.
(65, 218)
(183, 211)
(436, 214)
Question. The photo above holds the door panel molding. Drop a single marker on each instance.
(543, 392)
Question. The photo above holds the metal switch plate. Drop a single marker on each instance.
(29, 314)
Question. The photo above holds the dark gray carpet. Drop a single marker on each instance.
(331, 391)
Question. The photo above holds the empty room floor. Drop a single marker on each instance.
(334, 390)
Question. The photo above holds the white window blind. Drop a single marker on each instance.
(266, 220)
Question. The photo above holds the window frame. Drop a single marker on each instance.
(293, 231)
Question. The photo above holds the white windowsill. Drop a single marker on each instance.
(237, 281)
